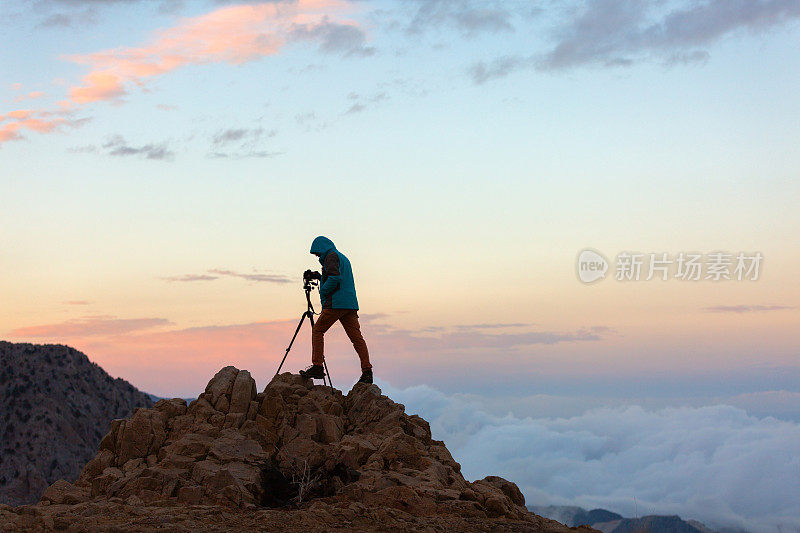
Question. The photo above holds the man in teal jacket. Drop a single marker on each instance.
(337, 291)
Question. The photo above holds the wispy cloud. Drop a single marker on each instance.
(89, 326)
(310, 121)
(360, 103)
(117, 146)
(244, 155)
(347, 39)
(13, 123)
(239, 143)
(33, 95)
(483, 71)
(269, 278)
(233, 34)
(467, 16)
(191, 277)
(67, 20)
(471, 338)
(77, 302)
(498, 325)
(237, 135)
(614, 33)
(746, 308)
(216, 273)
(304, 118)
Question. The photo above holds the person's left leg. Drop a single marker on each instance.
(351, 326)
(327, 318)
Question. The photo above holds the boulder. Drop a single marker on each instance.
(244, 390)
(221, 383)
(63, 492)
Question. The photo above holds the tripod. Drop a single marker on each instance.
(308, 286)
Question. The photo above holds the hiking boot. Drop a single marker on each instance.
(366, 376)
(313, 372)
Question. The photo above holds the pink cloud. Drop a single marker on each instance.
(40, 121)
(234, 35)
(90, 326)
(99, 86)
(151, 359)
(30, 96)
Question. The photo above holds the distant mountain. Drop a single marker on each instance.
(572, 515)
(609, 522)
(55, 406)
(650, 524)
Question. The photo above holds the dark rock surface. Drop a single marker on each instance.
(55, 406)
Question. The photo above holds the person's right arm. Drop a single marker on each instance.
(331, 269)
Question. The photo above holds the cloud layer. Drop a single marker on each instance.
(713, 463)
(148, 357)
(89, 326)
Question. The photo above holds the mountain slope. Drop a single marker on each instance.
(295, 457)
(55, 406)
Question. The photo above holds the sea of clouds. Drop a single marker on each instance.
(716, 463)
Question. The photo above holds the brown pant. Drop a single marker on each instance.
(349, 320)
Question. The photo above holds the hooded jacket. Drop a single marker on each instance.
(337, 288)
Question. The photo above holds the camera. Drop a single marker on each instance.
(310, 275)
(310, 280)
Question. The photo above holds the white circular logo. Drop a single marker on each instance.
(591, 266)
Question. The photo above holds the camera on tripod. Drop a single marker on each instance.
(311, 279)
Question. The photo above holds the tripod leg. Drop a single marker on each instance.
(324, 361)
(292, 341)
(330, 382)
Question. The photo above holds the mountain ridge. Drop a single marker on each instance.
(55, 406)
(611, 522)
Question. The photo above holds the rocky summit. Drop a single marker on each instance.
(55, 406)
(295, 457)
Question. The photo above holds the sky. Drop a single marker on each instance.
(165, 165)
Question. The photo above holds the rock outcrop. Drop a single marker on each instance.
(294, 457)
(55, 406)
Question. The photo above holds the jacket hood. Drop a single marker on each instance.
(321, 246)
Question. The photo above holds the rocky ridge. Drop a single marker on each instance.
(295, 457)
(55, 407)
